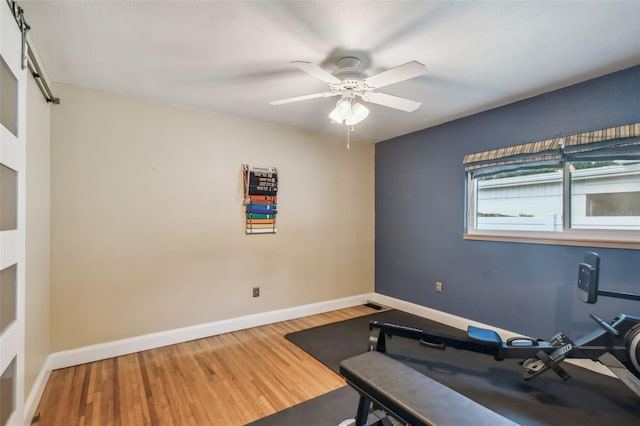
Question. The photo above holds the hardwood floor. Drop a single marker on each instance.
(229, 379)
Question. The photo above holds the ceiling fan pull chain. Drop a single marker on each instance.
(349, 136)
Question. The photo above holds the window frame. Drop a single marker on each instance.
(608, 238)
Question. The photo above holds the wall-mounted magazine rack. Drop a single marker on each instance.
(260, 199)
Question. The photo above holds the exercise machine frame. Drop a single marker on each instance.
(615, 345)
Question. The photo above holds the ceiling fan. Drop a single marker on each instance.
(349, 82)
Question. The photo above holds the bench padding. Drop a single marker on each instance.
(412, 396)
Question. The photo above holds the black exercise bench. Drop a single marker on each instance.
(410, 396)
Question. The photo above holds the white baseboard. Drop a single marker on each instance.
(32, 401)
(435, 315)
(462, 323)
(115, 348)
(106, 350)
(155, 340)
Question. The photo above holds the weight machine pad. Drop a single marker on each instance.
(415, 398)
(484, 335)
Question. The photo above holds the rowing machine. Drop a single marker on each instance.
(616, 345)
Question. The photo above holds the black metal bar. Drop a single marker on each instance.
(619, 295)
(435, 339)
(363, 411)
(590, 346)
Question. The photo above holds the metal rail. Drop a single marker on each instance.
(29, 56)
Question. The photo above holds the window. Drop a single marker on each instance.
(525, 200)
(605, 195)
(584, 187)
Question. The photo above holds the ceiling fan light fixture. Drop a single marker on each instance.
(343, 106)
(358, 113)
(335, 116)
(341, 111)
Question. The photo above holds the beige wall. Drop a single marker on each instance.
(37, 272)
(147, 218)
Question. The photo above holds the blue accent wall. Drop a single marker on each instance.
(527, 288)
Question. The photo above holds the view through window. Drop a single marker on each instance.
(602, 195)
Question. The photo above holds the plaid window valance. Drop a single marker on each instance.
(621, 141)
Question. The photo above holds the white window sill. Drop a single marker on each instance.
(623, 240)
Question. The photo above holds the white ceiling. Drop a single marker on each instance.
(233, 57)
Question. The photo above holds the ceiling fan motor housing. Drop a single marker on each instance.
(348, 69)
(352, 79)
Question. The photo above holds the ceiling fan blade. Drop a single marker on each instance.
(303, 98)
(391, 101)
(317, 72)
(394, 75)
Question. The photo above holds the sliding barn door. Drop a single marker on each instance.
(12, 219)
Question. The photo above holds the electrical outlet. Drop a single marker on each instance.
(256, 292)
(438, 287)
